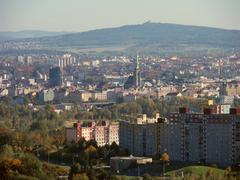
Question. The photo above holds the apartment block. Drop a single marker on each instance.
(207, 137)
(187, 137)
(103, 132)
(139, 135)
(99, 96)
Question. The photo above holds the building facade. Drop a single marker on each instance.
(46, 96)
(55, 77)
(66, 60)
(230, 88)
(186, 137)
(139, 136)
(104, 132)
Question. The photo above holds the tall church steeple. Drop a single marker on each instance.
(137, 74)
(137, 62)
(134, 81)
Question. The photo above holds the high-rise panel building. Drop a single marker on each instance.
(66, 60)
(55, 77)
(20, 59)
(29, 60)
(186, 137)
(139, 135)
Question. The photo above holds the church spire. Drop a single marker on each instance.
(137, 74)
(137, 62)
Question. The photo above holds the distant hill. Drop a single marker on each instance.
(149, 33)
(4, 36)
(148, 37)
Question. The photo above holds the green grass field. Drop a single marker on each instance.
(126, 177)
(197, 170)
(176, 171)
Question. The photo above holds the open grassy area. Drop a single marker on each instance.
(126, 177)
(155, 170)
(197, 170)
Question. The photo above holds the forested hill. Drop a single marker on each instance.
(159, 34)
(147, 38)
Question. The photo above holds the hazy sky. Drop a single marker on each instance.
(81, 15)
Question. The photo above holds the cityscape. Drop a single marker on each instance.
(116, 96)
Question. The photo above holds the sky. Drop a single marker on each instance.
(83, 15)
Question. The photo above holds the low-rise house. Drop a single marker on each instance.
(3, 92)
(46, 96)
(85, 96)
(99, 96)
(118, 164)
(172, 96)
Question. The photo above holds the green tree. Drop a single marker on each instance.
(147, 177)
(92, 155)
(7, 138)
(31, 166)
(79, 176)
(75, 169)
(6, 151)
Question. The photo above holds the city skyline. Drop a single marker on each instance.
(78, 16)
(119, 89)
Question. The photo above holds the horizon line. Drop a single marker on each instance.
(109, 27)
